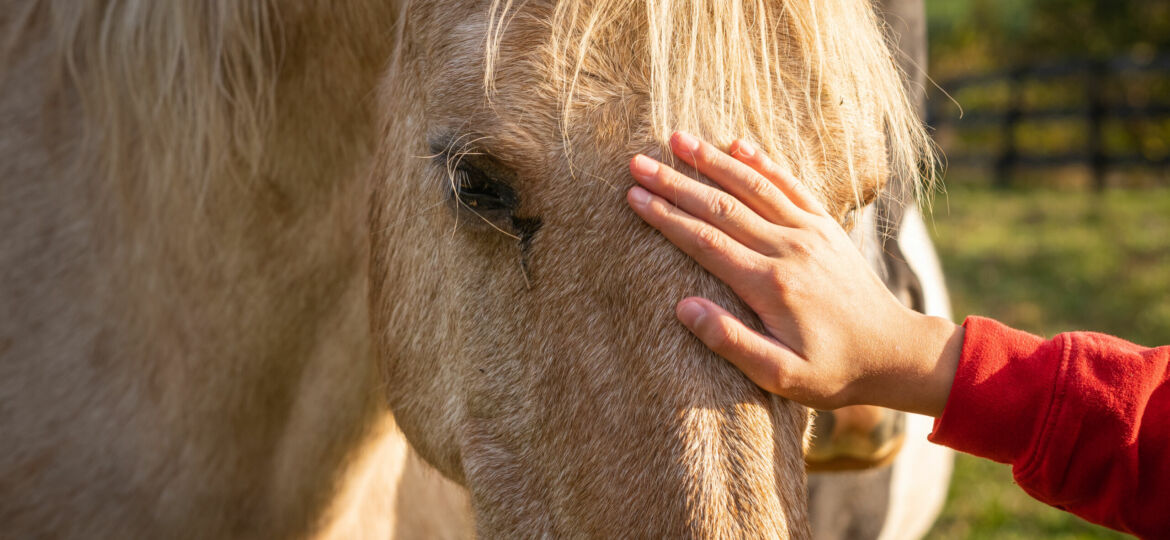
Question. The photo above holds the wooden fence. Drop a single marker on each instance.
(1103, 92)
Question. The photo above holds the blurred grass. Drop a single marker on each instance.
(1048, 261)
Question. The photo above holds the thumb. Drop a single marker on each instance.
(767, 362)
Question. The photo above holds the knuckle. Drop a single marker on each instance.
(715, 160)
(710, 154)
(824, 228)
(723, 338)
(668, 179)
(780, 380)
(696, 158)
(708, 239)
(799, 246)
(829, 226)
(758, 186)
(705, 154)
(723, 208)
(770, 165)
(777, 279)
(796, 185)
(774, 170)
(786, 284)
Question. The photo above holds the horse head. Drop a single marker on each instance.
(523, 317)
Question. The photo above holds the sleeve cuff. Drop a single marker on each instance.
(1002, 392)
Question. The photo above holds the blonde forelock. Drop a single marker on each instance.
(813, 82)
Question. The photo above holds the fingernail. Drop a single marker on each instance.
(746, 149)
(691, 313)
(687, 141)
(644, 166)
(639, 196)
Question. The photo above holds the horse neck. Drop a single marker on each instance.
(212, 356)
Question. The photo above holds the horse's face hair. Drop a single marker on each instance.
(524, 316)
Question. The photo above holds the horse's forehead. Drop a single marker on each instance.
(457, 46)
(518, 118)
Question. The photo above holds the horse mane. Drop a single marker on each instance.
(180, 90)
(168, 90)
(814, 79)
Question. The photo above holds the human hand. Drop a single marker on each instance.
(834, 335)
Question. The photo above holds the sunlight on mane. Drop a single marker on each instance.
(185, 90)
(812, 81)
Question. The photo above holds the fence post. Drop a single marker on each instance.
(1005, 163)
(1095, 88)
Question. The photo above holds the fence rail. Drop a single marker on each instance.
(1097, 108)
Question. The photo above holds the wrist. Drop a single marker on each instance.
(942, 350)
(920, 365)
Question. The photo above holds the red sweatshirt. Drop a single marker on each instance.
(1084, 420)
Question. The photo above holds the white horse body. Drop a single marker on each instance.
(922, 472)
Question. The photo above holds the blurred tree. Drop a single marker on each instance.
(976, 35)
(1100, 28)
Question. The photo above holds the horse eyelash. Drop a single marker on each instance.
(453, 185)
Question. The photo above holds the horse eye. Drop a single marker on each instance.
(477, 190)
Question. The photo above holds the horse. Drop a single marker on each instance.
(258, 256)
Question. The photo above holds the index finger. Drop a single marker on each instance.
(781, 177)
(737, 178)
(720, 254)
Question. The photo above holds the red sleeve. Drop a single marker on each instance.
(1084, 420)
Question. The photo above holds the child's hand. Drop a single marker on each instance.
(834, 335)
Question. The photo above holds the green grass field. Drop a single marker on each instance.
(1048, 261)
